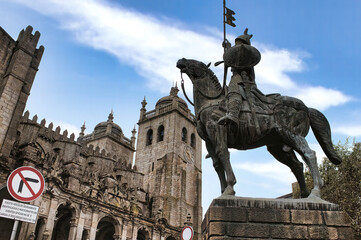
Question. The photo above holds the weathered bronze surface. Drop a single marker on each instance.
(242, 117)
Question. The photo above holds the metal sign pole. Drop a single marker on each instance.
(15, 228)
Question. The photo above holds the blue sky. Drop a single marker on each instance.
(102, 55)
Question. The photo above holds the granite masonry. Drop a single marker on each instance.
(93, 188)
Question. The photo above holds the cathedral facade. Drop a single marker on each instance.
(93, 188)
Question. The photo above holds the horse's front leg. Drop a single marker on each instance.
(217, 164)
(223, 156)
(218, 137)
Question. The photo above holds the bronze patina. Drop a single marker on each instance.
(242, 117)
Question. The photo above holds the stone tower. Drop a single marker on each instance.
(19, 63)
(169, 156)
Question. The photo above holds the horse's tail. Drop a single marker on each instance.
(321, 129)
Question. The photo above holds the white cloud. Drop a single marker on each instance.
(350, 130)
(273, 170)
(152, 46)
(275, 64)
(321, 98)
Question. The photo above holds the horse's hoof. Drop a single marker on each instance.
(315, 193)
(229, 191)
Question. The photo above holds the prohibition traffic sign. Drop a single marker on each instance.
(187, 233)
(25, 184)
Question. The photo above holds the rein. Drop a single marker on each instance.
(204, 95)
(184, 91)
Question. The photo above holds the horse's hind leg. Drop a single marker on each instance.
(299, 144)
(217, 166)
(289, 158)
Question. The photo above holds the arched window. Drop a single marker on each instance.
(149, 137)
(105, 229)
(142, 234)
(184, 134)
(193, 140)
(160, 133)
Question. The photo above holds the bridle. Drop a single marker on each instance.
(204, 95)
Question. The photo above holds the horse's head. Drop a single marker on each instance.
(193, 68)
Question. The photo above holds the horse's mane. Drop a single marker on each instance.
(213, 78)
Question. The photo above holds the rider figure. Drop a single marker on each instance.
(242, 81)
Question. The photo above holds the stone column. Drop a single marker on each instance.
(94, 225)
(135, 231)
(156, 235)
(125, 229)
(79, 230)
(73, 228)
(49, 225)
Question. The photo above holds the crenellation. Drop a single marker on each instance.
(97, 151)
(37, 57)
(65, 134)
(43, 122)
(35, 118)
(102, 153)
(27, 41)
(72, 137)
(57, 130)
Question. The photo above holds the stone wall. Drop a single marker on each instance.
(171, 167)
(246, 218)
(17, 73)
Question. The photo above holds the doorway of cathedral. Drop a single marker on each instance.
(105, 229)
(142, 234)
(62, 225)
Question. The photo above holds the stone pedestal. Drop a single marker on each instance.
(255, 218)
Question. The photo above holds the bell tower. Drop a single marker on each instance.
(169, 154)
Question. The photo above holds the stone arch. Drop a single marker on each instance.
(66, 214)
(193, 140)
(143, 233)
(107, 227)
(149, 139)
(184, 134)
(160, 133)
(74, 208)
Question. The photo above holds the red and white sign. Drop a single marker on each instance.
(25, 184)
(187, 233)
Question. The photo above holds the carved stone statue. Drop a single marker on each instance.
(241, 117)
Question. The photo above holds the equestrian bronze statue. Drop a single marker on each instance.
(240, 116)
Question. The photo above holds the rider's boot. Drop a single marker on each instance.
(233, 109)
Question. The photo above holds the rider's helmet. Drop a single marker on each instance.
(244, 39)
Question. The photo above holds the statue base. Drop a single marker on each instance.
(230, 218)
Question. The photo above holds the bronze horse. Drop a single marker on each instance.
(284, 123)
